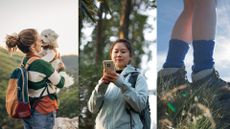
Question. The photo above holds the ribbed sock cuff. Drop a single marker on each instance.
(176, 54)
(203, 55)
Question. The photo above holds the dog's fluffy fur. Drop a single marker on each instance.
(50, 53)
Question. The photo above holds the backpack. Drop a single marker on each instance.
(17, 97)
(145, 113)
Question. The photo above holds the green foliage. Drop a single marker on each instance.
(69, 102)
(71, 64)
(88, 9)
(7, 64)
(110, 29)
(69, 97)
(137, 29)
(89, 76)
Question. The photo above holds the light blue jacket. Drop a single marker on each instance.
(109, 102)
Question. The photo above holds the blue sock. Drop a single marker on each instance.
(176, 54)
(203, 55)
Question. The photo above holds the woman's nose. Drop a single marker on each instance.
(119, 54)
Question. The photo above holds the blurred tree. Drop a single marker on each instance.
(126, 8)
(99, 36)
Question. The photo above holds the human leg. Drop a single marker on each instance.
(204, 20)
(203, 32)
(204, 27)
(211, 89)
(40, 121)
(182, 29)
(172, 79)
(27, 123)
(173, 68)
(180, 37)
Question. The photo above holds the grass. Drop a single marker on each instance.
(186, 107)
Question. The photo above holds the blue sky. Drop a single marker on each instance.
(167, 13)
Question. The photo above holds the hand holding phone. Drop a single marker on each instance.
(109, 72)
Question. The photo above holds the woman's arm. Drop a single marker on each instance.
(45, 69)
(97, 97)
(135, 97)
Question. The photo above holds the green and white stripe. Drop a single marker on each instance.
(41, 72)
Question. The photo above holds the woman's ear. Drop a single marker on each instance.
(32, 48)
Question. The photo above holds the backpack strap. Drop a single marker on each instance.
(35, 103)
(132, 80)
(30, 61)
(146, 122)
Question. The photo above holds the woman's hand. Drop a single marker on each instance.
(109, 76)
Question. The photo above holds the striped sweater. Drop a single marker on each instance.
(40, 72)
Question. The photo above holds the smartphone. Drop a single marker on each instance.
(108, 65)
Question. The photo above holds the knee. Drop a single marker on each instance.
(189, 5)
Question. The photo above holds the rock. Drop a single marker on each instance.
(66, 123)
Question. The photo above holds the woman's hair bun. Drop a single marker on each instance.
(12, 41)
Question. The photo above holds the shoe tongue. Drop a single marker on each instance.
(202, 74)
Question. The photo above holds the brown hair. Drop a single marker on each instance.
(23, 40)
(126, 43)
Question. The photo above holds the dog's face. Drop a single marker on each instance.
(49, 37)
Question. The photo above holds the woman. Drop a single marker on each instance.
(40, 74)
(113, 92)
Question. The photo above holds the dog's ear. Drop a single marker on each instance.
(55, 35)
(49, 37)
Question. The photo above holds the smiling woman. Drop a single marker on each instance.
(42, 97)
(121, 53)
(116, 101)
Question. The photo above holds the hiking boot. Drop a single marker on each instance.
(214, 94)
(168, 78)
(172, 90)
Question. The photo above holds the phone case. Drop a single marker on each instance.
(108, 65)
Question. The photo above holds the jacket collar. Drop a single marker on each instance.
(129, 69)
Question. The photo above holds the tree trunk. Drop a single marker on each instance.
(126, 7)
(98, 36)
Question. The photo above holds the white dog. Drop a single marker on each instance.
(50, 54)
